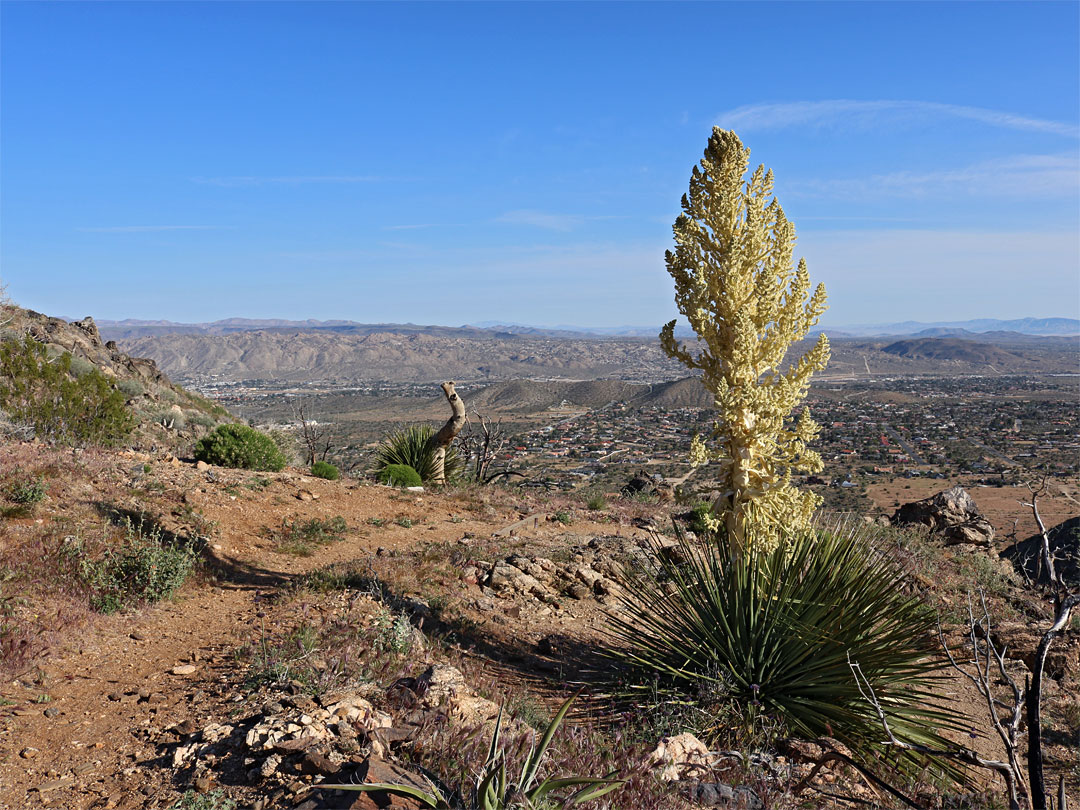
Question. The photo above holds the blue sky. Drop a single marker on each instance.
(452, 163)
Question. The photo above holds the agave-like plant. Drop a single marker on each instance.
(412, 447)
(775, 630)
(497, 790)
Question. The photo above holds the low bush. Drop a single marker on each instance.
(773, 635)
(239, 446)
(302, 537)
(597, 502)
(701, 519)
(131, 388)
(61, 405)
(144, 567)
(323, 469)
(27, 490)
(201, 419)
(411, 447)
(399, 475)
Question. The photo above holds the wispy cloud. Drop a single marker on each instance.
(541, 219)
(422, 226)
(297, 180)
(1016, 176)
(148, 228)
(547, 220)
(894, 274)
(869, 114)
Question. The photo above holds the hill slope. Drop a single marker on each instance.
(167, 415)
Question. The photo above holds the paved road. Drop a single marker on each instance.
(900, 440)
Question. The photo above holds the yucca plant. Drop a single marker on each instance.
(773, 631)
(411, 446)
(497, 790)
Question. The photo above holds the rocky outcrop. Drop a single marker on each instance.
(951, 514)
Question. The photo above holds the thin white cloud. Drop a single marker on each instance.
(148, 228)
(877, 276)
(540, 219)
(1016, 176)
(423, 225)
(298, 180)
(870, 114)
(550, 221)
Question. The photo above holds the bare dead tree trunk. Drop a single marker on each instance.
(317, 440)
(441, 440)
(1047, 559)
(1034, 696)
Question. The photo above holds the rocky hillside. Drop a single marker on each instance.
(167, 415)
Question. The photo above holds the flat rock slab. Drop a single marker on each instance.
(525, 524)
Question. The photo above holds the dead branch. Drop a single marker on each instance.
(1008, 730)
(317, 439)
(1047, 559)
(1065, 605)
(959, 753)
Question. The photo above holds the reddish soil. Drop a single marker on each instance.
(77, 726)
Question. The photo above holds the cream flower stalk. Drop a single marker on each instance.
(737, 285)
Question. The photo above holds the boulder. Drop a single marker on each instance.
(951, 514)
(681, 757)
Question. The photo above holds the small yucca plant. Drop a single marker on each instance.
(773, 632)
(411, 446)
(497, 790)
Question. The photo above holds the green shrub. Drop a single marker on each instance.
(80, 366)
(214, 800)
(399, 475)
(201, 419)
(775, 633)
(144, 567)
(130, 387)
(411, 447)
(239, 446)
(699, 519)
(171, 419)
(28, 491)
(597, 502)
(323, 469)
(44, 392)
(301, 537)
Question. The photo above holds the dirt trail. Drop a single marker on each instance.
(85, 744)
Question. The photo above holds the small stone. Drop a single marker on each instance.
(185, 669)
(306, 495)
(114, 696)
(202, 466)
(55, 784)
(51, 712)
(144, 694)
(578, 591)
(29, 753)
(137, 636)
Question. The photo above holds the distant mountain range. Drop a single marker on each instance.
(979, 326)
(985, 328)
